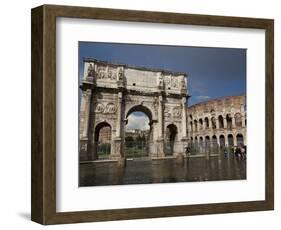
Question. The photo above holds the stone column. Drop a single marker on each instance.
(203, 145)
(184, 117)
(160, 140)
(184, 139)
(243, 121)
(84, 153)
(204, 124)
(217, 123)
(233, 122)
(245, 138)
(160, 117)
(119, 115)
(234, 140)
(226, 144)
(218, 141)
(85, 110)
(117, 151)
(226, 141)
(224, 123)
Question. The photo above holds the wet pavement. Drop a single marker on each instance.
(162, 171)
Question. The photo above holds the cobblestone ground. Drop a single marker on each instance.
(163, 171)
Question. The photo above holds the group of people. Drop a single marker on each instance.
(239, 151)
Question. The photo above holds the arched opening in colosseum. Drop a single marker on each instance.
(201, 144)
(239, 139)
(228, 121)
(214, 142)
(213, 121)
(207, 143)
(191, 145)
(221, 125)
(206, 122)
(102, 140)
(171, 137)
(238, 120)
(191, 126)
(196, 144)
(195, 126)
(200, 124)
(230, 140)
(222, 141)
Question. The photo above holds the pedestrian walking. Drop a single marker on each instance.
(243, 152)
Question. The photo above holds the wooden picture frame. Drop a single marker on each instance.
(43, 208)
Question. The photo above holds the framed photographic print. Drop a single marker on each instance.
(140, 114)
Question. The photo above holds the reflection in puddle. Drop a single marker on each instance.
(162, 171)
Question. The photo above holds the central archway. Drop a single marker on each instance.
(138, 132)
(140, 108)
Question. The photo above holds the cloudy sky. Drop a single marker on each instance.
(212, 72)
(137, 120)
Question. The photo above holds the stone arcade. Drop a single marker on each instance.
(219, 122)
(111, 92)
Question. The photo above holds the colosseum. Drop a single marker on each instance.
(217, 125)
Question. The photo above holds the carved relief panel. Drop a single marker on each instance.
(177, 112)
(110, 73)
(101, 72)
(105, 108)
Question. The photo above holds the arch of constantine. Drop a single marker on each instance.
(111, 92)
(220, 122)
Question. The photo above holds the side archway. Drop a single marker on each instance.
(102, 140)
(171, 138)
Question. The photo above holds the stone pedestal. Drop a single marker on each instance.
(117, 151)
(157, 149)
(184, 143)
(180, 159)
(83, 149)
(122, 162)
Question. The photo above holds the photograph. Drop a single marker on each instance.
(151, 113)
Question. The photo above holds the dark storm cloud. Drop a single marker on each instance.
(212, 72)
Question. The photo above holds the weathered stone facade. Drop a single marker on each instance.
(220, 122)
(111, 92)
